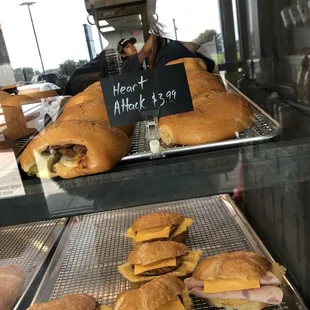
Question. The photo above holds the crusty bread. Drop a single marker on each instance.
(157, 219)
(153, 295)
(105, 146)
(70, 302)
(235, 265)
(89, 111)
(236, 304)
(149, 253)
(3, 95)
(95, 95)
(215, 118)
(17, 100)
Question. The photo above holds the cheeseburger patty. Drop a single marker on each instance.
(160, 271)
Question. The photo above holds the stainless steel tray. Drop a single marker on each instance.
(264, 128)
(94, 245)
(27, 246)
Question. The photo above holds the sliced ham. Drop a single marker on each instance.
(266, 294)
(268, 279)
(11, 284)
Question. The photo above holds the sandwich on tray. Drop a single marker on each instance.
(148, 261)
(163, 293)
(159, 226)
(237, 280)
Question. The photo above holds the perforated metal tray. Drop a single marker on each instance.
(94, 245)
(28, 245)
(264, 128)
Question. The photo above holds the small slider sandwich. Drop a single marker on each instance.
(163, 293)
(69, 302)
(237, 280)
(150, 260)
(159, 226)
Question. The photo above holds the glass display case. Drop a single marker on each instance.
(113, 109)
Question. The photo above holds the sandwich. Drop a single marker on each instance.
(69, 302)
(159, 226)
(216, 117)
(74, 148)
(163, 293)
(89, 105)
(150, 260)
(237, 280)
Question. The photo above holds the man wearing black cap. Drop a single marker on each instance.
(132, 60)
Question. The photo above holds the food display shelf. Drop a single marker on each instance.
(264, 128)
(94, 245)
(28, 246)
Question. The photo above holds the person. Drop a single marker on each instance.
(132, 59)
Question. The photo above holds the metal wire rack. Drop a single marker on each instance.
(87, 258)
(28, 245)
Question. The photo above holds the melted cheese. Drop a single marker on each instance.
(228, 285)
(172, 305)
(130, 233)
(153, 233)
(182, 227)
(170, 262)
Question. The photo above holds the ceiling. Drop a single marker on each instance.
(126, 23)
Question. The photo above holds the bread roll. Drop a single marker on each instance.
(149, 253)
(235, 265)
(215, 118)
(153, 295)
(94, 86)
(157, 219)
(104, 146)
(70, 302)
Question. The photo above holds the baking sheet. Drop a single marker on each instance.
(264, 128)
(28, 245)
(94, 245)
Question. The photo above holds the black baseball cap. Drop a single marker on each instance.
(123, 42)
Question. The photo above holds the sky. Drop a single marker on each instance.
(59, 26)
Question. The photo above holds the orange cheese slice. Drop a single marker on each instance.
(172, 305)
(228, 285)
(153, 233)
(182, 227)
(170, 262)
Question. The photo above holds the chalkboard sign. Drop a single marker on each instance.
(129, 94)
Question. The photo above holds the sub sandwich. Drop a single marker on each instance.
(150, 260)
(159, 226)
(74, 148)
(163, 293)
(237, 280)
(69, 302)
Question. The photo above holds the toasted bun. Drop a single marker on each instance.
(215, 118)
(157, 219)
(16, 100)
(235, 265)
(3, 95)
(105, 146)
(152, 295)
(236, 304)
(42, 94)
(69, 302)
(149, 253)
